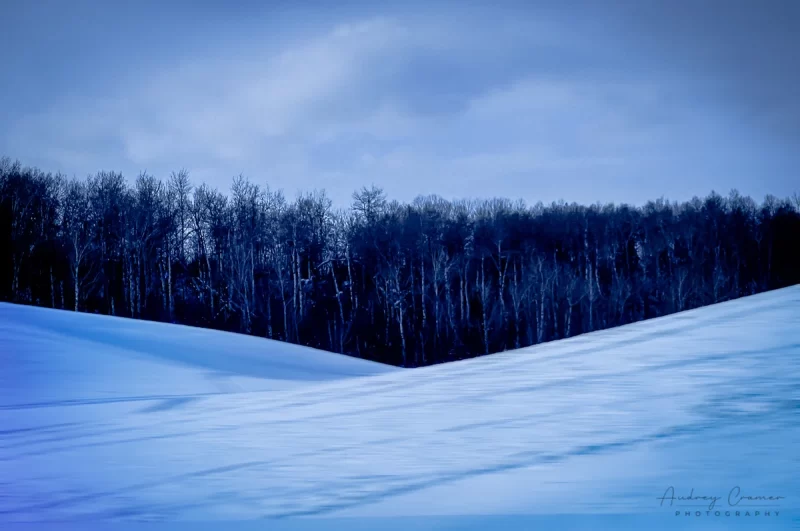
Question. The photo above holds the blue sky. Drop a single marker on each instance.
(583, 101)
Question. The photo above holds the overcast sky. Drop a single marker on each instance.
(583, 101)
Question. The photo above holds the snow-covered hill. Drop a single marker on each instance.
(51, 356)
(601, 423)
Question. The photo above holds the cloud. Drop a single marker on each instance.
(227, 106)
(327, 113)
(533, 103)
(221, 109)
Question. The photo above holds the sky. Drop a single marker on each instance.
(617, 101)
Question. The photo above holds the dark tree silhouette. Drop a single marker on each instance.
(406, 284)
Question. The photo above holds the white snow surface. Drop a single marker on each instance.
(59, 356)
(105, 418)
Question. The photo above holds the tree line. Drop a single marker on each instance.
(406, 284)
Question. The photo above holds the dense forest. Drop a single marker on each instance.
(407, 284)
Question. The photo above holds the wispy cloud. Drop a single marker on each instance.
(222, 108)
(512, 102)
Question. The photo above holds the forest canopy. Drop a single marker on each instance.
(407, 284)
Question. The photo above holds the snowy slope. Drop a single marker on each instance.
(65, 357)
(601, 423)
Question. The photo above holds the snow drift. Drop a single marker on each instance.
(600, 423)
(59, 357)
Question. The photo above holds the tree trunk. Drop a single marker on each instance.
(422, 298)
(76, 280)
(484, 302)
(52, 289)
(341, 309)
(169, 285)
(402, 332)
(541, 321)
(516, 302)
(450, 310)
